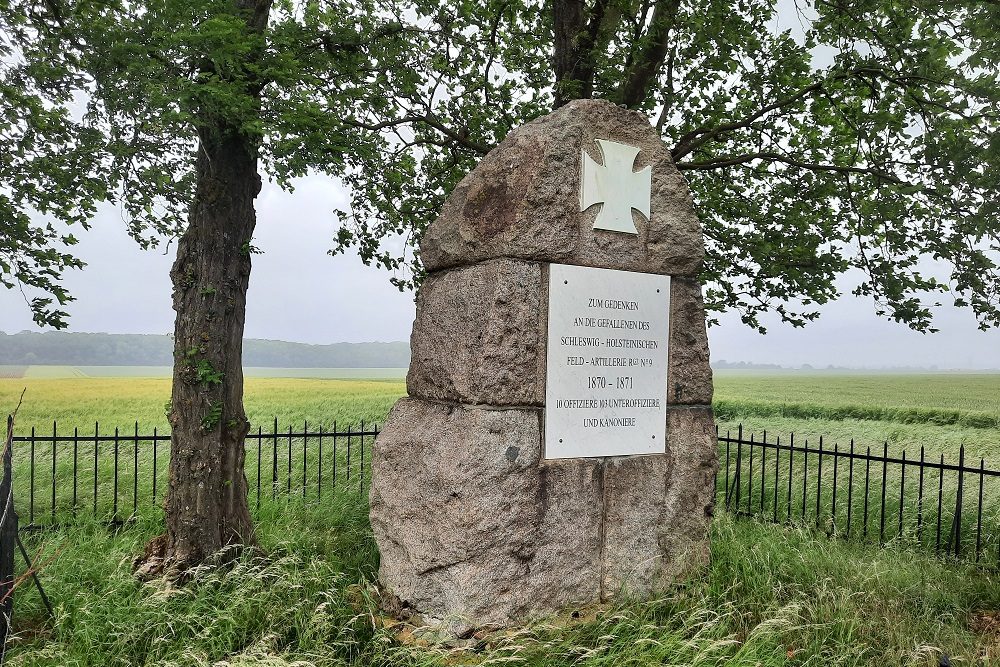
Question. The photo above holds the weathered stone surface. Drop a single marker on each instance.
(690, 499)
(566, 568)
(478, 337)
(689, 374)
(473, 529)
(523, 200)
(657, 509)
(635, 490)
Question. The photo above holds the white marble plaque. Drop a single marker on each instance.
(606, 365)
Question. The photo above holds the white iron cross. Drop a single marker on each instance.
(616, 186)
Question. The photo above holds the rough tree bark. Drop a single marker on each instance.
(206, 506)
(580, 35)
(574, 39)
(207, 499)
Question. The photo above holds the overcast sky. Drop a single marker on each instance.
(299, 293)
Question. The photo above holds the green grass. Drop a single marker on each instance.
(771, 596)
(62, 372)
(120, 402)
(940, 412)
(945, 391)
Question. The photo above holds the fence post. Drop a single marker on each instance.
(833, 504)
(289, 480)
(739, 466)
(805, 478)
(154, 464)
(791, 473)
(135, 471)
(881, 515)
(819, 480)
(76, 452)
(728, 444)
(97, 427)
(31, 500)
(902, 496)
(920, 499)
(274, 460)
(349, 432)
(777, 476)
(850, 489)
(763, 468)
(956, 523)
(54, 431)
(8, 538)
(114, 506)
(937, 536)
(979, 512)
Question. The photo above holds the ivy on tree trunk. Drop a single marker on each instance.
(206, 506)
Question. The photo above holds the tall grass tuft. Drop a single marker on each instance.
(771, 596)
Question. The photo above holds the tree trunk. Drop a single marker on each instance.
(575, 37)
(207, 498)
(206, 507)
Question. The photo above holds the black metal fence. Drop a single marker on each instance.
(952, 508)
(118, 475)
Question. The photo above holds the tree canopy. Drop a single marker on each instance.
(818, 137)
(103, 102)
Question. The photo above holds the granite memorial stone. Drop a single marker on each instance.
(557, 446)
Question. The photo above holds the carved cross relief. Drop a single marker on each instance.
(615, 186)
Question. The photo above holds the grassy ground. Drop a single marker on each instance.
(957, 391)
(120, 402)
(64, 372)
(772, 596)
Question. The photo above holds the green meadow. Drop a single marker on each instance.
(773, 595)
(940, 412)
(120, 402)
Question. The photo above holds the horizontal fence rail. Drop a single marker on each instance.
(857, 494)
(117, 475)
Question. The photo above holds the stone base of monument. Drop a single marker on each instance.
(476, 529)
(480, 522)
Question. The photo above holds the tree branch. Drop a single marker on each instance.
(494, 29)
(647, 65)
(696, 138)
(460, 137)
(778, 157)
(700, 136)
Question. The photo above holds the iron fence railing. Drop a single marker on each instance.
(116, 475)
(952, 508)
(845, 491)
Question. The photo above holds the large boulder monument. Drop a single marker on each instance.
(556, 448)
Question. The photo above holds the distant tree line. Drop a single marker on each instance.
(101, 349)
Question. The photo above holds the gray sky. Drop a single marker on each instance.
(299, 293)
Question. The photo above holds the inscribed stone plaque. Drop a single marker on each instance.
(606, 365)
